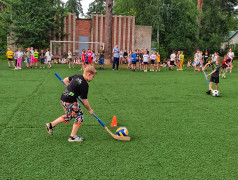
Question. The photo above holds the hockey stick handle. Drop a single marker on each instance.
(80, 100)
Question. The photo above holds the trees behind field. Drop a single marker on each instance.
(75, 6)
(29, 22)
(175, 25)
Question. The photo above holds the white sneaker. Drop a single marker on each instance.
(75, 139)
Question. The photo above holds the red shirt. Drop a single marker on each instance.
(83, 57)
(89, 56)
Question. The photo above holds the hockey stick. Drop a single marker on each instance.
(204, 72)
(120, 138)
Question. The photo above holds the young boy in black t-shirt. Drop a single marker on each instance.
(214, 74)
(76, 86)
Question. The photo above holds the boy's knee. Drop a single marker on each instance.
(79, 120)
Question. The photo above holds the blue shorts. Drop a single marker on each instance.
(101, 61)
(28, 60)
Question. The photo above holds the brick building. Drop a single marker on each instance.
(124, 33)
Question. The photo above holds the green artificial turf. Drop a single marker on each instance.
(177, 131)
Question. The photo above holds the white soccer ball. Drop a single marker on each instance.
(215, 93)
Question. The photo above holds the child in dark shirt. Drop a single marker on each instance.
(76, 86)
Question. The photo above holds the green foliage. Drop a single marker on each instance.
(97, 7)
(162, 51)
(175, 20)
(217, 19)
(30, 22)
(75, 6)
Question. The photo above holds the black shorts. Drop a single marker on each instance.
(10, 59)
(42, 61)
(145, 62)
(133, 62)
(214, 79)
(171, 62)
(152, 61)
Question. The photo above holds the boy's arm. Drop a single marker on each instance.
(212, 72)
(86, 104)
(205, 66)
(66, 81)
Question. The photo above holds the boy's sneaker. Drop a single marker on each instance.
(49, 128)
(75, 139)
(208, 92)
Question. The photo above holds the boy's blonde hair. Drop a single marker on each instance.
(90, 69)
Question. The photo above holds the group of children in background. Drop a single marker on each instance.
(31, 56)
(138, 59)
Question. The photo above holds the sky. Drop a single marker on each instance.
(85, 4)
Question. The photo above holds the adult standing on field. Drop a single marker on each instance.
(10, 57)
(116, 56)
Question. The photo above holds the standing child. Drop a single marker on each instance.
(141, 60)
(178, 60)
(42, 59)
(230, 56)
(19, 58)
(70, 58)
(76, 86)
(101, 58)
(133, 61)
(83, 59)
(129, 60)
(36, 56)
(48, 56)
(28, 58)
(94, 57)
(89, 56)
(145, 60)
(152, 61)
(196, 61)
(10, 57)
(137, 58)
(172, 59)
(32, 57)
(214, 74)
(157, 61)
(181, 61)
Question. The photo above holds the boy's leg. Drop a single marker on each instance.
(216, 86)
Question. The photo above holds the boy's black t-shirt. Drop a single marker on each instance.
(78, 86)
(215, 67)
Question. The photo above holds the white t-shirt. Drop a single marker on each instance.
(230, 55)
(153, 56)
(145, 58)
(69, 55)
(48, 56)
(172, 57)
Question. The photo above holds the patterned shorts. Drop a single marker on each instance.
(72, 110)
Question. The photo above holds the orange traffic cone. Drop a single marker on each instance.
(114, 121)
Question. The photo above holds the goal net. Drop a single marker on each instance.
(60, 48)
